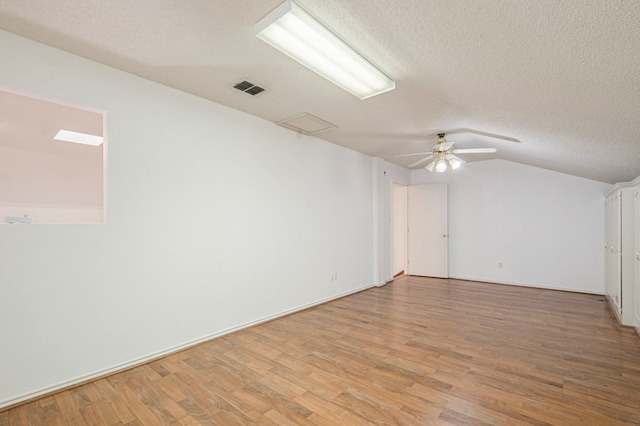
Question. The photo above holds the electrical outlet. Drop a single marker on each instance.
(499, 265)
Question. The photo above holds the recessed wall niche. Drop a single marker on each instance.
(44, 178)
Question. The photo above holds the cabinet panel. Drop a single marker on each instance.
(613, 282)
(619, 252)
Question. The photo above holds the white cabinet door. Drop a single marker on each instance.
(428, 233)
(613, 249)
(620, 254)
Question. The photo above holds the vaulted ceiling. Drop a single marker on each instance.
(561, 77)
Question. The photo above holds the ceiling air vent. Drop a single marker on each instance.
(248, 87)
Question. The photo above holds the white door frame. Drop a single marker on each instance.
(428, 230)
(399, 225)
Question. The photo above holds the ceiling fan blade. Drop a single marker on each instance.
(472, 131)
(488, 134)
(431, 165)
(454, 157)
(415, 153)
(474, 151)
(420, 161)
(440, 147)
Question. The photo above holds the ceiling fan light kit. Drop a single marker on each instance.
(454, 161)
(444, 153)
(299, 35)
(439, 165)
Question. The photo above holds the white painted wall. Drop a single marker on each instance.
(397, 174)
(546, 228)
(216, 219)
(385, 175)
(381, 232)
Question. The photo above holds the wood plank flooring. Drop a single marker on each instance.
(417, 351)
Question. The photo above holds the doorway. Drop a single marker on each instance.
(428, 235)
(399, 230)
(52, 162)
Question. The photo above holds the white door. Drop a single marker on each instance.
(399, 229)
(428, 234)
(613, 243)
(636, 281)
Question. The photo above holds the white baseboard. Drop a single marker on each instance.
(160, 354)
(614, 309)
(521, 284)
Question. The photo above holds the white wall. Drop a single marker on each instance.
(385, 175)
(380, 244)
(397, 174)
(546, 228)
(216, 219)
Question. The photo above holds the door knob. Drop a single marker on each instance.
(445, 235)
(638, 255)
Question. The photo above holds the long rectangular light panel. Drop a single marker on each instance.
(299, 35)
(76, 137)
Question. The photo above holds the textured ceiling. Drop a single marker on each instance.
(562, 77)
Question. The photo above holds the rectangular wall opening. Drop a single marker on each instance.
(52, 162)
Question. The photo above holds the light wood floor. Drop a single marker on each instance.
(417, 351)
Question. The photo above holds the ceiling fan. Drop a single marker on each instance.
(443, 153)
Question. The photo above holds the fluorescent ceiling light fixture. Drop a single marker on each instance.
(299, 35)
(76, 137)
